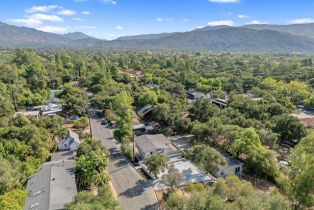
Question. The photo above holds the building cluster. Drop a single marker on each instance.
(52, 106)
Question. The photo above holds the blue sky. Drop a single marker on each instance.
(109, 19)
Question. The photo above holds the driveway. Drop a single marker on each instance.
(134, 192)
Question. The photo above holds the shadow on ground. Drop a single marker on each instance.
(137, 190)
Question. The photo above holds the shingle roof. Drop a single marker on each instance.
(52, 187)
(148, 143)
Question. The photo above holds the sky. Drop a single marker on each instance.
(109, 19)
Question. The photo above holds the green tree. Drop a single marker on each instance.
(13, 200)
(248, 141)
(90, 169)
(202, 110)
(300, 173)
(155, 163)
(86, 201)
(74, 100)
(207, 157)
(173, 177)
(289, 128)
(123, 109)
(147, 97)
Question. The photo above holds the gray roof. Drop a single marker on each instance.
(75, 136)
(229, 159)
(147, 143)
(146, 109)
(52, 187)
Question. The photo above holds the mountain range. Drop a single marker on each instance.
(297, 38)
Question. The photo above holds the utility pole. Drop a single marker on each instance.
(133, 137)
(13, 98)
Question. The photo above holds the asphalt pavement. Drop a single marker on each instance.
(133, 191)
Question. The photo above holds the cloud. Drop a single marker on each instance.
(113, 2)
(37, 19)
(52, 29)
(86, 13)
(44, 17)
(66, 12)
(224, 1)
(242, 16)
(27, 21)
(77, 19)
(159, 19)
(221, 22)
(88, 27)
(46, 8)
(119, 27)
(256, 22)
(185, 20)
(301, 21)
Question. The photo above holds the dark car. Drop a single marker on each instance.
(104, 122)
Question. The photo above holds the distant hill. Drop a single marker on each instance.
(251, 38)
(231, 39)
(77, 36)
(306, 30)
(20, 36)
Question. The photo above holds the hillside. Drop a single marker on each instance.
(306, 30)
(77, 36)
(226, 39)
(217, 39)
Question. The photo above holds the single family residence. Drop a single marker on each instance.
(71, 142)
(233, 166)
(147, 145)
(53, 105)
(53, 186)
(194, 95)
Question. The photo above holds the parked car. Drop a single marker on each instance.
(104, 122)
(74, 118)
(111, 124)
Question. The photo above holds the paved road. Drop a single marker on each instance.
(134, 192)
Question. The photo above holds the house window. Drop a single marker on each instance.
(237, 170)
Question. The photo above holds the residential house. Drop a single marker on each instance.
(221, 103)
(233, 166)
(71, 142)
(194, 95)
(53, 186)
(135, 74)
(53, 105)
(142, 112)
(140, 129)
(189, 172)
(28, 114)
(147, 145)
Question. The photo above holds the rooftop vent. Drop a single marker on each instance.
(34, 205)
